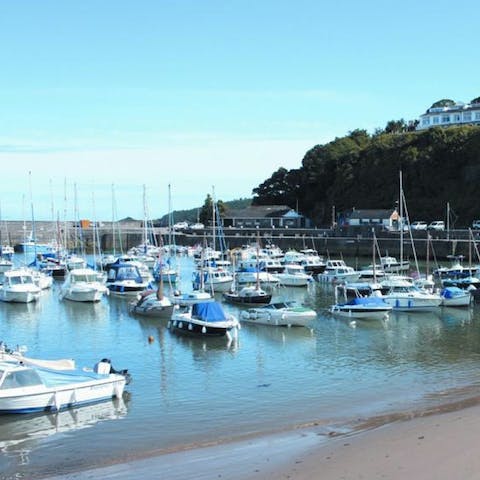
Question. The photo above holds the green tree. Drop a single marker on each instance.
(206, 212)
(396, 126)
(445, 102)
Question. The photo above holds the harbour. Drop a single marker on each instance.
(190, 392)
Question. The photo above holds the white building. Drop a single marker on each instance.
(455, 114)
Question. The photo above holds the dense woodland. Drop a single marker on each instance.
(439, 166)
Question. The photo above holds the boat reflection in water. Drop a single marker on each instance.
(19, 434)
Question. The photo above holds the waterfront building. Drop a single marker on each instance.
(265, 216)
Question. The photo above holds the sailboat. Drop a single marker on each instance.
(361, 307)
(151, 303)
(250, 294)
(401, 293)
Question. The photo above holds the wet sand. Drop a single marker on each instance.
(441, 446)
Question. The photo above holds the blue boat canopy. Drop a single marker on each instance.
(209, 311)
(451, 292)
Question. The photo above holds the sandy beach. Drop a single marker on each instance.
(434, 447)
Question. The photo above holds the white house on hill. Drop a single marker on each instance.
(446, 113)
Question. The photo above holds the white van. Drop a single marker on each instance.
(476, 224)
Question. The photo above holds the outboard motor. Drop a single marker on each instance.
(103, 367)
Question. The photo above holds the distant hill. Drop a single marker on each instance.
(439, 166)
(191, 216)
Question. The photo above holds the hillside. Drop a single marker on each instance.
(439, 165)
(192, 215)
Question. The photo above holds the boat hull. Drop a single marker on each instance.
(352, 313)
(54, 399)
(411, 303)
(199, 328)
(247, 301)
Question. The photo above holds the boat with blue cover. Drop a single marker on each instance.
(124, 278)
(362, 308)
(456, 297)
(204, 319)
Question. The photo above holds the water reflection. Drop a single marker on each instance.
(456, 316)
(19, 434)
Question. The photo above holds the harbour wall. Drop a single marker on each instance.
(353, 242)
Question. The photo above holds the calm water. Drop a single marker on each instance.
(188, 391)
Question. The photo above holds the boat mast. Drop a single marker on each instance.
(400, 205)
(213, 218)
(33, 217)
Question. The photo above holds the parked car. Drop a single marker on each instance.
(180, 226)
(197, 226)
(437, 225)
(419, 225)
(476, 224)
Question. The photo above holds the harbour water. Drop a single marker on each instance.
(188, 392)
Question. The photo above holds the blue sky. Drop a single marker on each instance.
(207, 96)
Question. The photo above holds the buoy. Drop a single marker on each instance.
(150, 339)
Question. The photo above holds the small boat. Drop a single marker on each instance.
(287, 314)
(455, 297)
(251, 275)
(83, 285)
(294, 276)
(403, 295)
(27, 388)
(153, 303)
(215, 278)
(337, 271)
(189, 298)
(205, 319)
(19, 287)
(123, 278)
(250, 295)
(362, 308)
(149, 304)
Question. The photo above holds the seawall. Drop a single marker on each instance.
(123, 235)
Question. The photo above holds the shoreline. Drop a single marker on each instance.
(439, 444)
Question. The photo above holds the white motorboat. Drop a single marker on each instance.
(392, 265)
(337, 271)
(215, 278)
(288, 314)
(206, 319)
(403, 295)
(19, 287)
(251, 275)
(294, 275)
(152, 303)
(83, 285)
(26, 388)
(456, 297)
(42, 279)
(189, 298)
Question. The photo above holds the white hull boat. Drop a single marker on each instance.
(363, 308)
(294, 276)
(404, 296)
(19, 287)
(82, 285)
(455, 297)
(150, 304)
(287, 314)
(27, 389)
